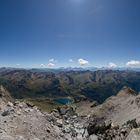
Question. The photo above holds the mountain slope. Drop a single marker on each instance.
(123, 107)
(97, 85)
(5, 95)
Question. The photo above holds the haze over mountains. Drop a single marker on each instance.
(65, 69)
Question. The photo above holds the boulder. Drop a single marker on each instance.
(94, 104)
(59, 122)
(5, 113)
(93, 137)
(98, 127)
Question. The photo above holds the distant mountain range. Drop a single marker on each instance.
(65, 69)
(95, 85)
(83, 69)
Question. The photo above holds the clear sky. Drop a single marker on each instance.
(56, 33)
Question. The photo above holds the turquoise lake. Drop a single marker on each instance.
(63, 101)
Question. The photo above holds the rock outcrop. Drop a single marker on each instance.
(117, 117)
(120, 108)
(134, 134)
(5, 95)
(127, 91)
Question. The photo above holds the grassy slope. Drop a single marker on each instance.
(44, 104)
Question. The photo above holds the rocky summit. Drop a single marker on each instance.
(118, 118)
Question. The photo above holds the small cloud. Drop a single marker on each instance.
(82, 61)
(17, 64)
(112, 65)
(133, 63)
(47, 65)
(71, 60)
(51, 65)
(42, 65)
(51, 60)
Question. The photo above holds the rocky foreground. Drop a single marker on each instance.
(116, 119)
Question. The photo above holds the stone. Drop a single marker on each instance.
(97, 127)
(18, 113)
(94, 104)
(10, 104)
(29, 104)
(5, 113)
(79, 137)
(59, 122)
(137, 101)
(132, 123)
(36, 139)
(93, 137)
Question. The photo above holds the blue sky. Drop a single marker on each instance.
(57, 33)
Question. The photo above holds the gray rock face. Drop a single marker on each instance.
(122, 111)
(4, 96)
(134, 134)
(126, 91)
(121, 108)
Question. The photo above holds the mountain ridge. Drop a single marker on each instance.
(97, 85)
